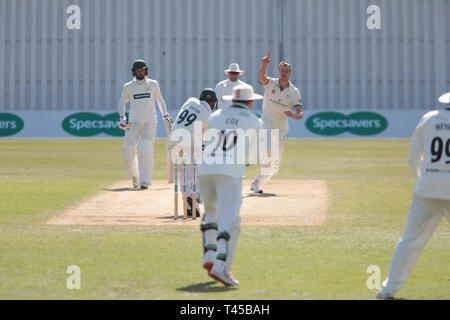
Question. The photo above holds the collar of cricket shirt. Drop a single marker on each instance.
(143, 81)
(234, 83)
(239, 105)
(278, 84)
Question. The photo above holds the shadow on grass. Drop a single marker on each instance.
(166, 217)
(180, 218)
(123, 189)
(260, 195)
(134, 189)
(206, 287)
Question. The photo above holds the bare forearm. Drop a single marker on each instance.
(262, 75)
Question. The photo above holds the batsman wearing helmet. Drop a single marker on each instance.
(429, 159)
(190, 124)
(140, 129)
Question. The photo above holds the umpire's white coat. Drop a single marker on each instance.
(225, 88)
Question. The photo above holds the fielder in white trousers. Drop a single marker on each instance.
(430, 165)
(424, 216)
(277, 130)
(220, 180)
(222, 207)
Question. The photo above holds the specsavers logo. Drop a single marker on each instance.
(85, 124)
(10, 124)
(358, 123)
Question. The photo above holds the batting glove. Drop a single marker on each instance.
(169, 120)
(123, 122)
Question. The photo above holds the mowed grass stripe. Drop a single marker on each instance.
(368, 182)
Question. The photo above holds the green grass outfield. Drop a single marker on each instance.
(369, 185)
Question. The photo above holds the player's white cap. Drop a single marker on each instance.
(445, 98)
(243, 92)
(234, 67)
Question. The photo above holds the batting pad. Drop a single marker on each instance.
(130, 160)
(145, 154)
(210, 234)
(234, 234)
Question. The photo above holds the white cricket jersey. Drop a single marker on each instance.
(277, 101)
(192, 112)
(429, 155)
(142, 95)
(231, 142)
(225, 88)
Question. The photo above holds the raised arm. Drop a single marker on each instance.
(262, 71)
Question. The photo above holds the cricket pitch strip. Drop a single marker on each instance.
(284, 202)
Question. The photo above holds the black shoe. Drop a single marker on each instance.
(144, 185)
(189, 209)
(256, 190)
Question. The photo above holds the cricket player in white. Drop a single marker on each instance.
(192, 113)
(280, 95)
(233, 136)
(429, 159)
(225, 87)
(141, 93)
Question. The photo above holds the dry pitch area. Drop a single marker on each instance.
(284, 202)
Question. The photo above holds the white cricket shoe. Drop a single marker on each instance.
(135, 182)
(255, 187)
(226, 279)
(144, 185)
(217, 273)
(384, 296)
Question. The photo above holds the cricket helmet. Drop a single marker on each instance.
(139, 64)
(208, 94)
